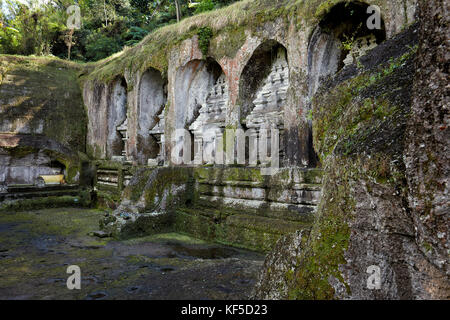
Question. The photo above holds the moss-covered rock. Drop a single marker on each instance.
(359, 122)
(43, 96)
(149, 202)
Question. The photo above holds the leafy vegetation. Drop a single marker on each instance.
(36, 27)
(204, 37)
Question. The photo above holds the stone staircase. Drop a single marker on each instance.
(112, 176)
(30, 191)
(24, 197)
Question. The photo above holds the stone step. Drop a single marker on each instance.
(107, 183)
(104, 178)
(264, 224)
(38, 194)
(241, 230)
(107, 178)
(252, 176)
(32, 188)
(255, 184)
(303, 211)
(218, 212)
(108, 172)
(309, 195)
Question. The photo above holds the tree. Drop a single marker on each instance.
(178, 9)
(39, 27)
(69, 42)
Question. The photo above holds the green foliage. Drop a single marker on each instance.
(9, 40)
(30, 29)
(204, 5)
(39, 28)
(134, 35)
(100, 46)
(204, 37)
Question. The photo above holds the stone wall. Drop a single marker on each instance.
(39, 100)
(233, 206)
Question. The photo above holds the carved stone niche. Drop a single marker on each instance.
(209, 126)
(158, 133)
(361, 46)
(268, 112)
(123, 131)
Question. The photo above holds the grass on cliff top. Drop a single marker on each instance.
(6, 59)
(152, 51)
(45, 91)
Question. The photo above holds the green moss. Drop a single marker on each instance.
(228, 41)
(204, 37)
(20, 151)
(339, 115)
(60, 221)
(231, 227)
(353, 148)
(164, 238)
(227, 24)
(329, 240)
(51, 101)
(45, 202)
(135, 190)
(195, 224)
(428, 247)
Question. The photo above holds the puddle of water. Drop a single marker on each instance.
(133, 289)
(56, 280)
(5, 227)
(202, 252)
(89, 280)
(45, 243)
(97, 295)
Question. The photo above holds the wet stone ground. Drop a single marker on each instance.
(37, 247)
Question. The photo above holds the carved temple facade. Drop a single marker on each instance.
(266, 84)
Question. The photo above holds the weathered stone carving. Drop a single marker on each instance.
(158, 133)
(361, 47)
(209, 126)
(269, 104)
(123, 131)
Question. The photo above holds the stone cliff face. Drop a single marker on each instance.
(381, 132)
(42, 119)
(427, 151)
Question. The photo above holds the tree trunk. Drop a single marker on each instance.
(68, 41)
(106, 14)
(178, 9)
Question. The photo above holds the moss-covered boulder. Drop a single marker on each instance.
(149, 202)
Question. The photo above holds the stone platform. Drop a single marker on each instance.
(234, 206)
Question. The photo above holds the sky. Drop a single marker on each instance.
(4, 7)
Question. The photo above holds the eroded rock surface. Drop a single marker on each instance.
(365, 221)
(427, 156)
